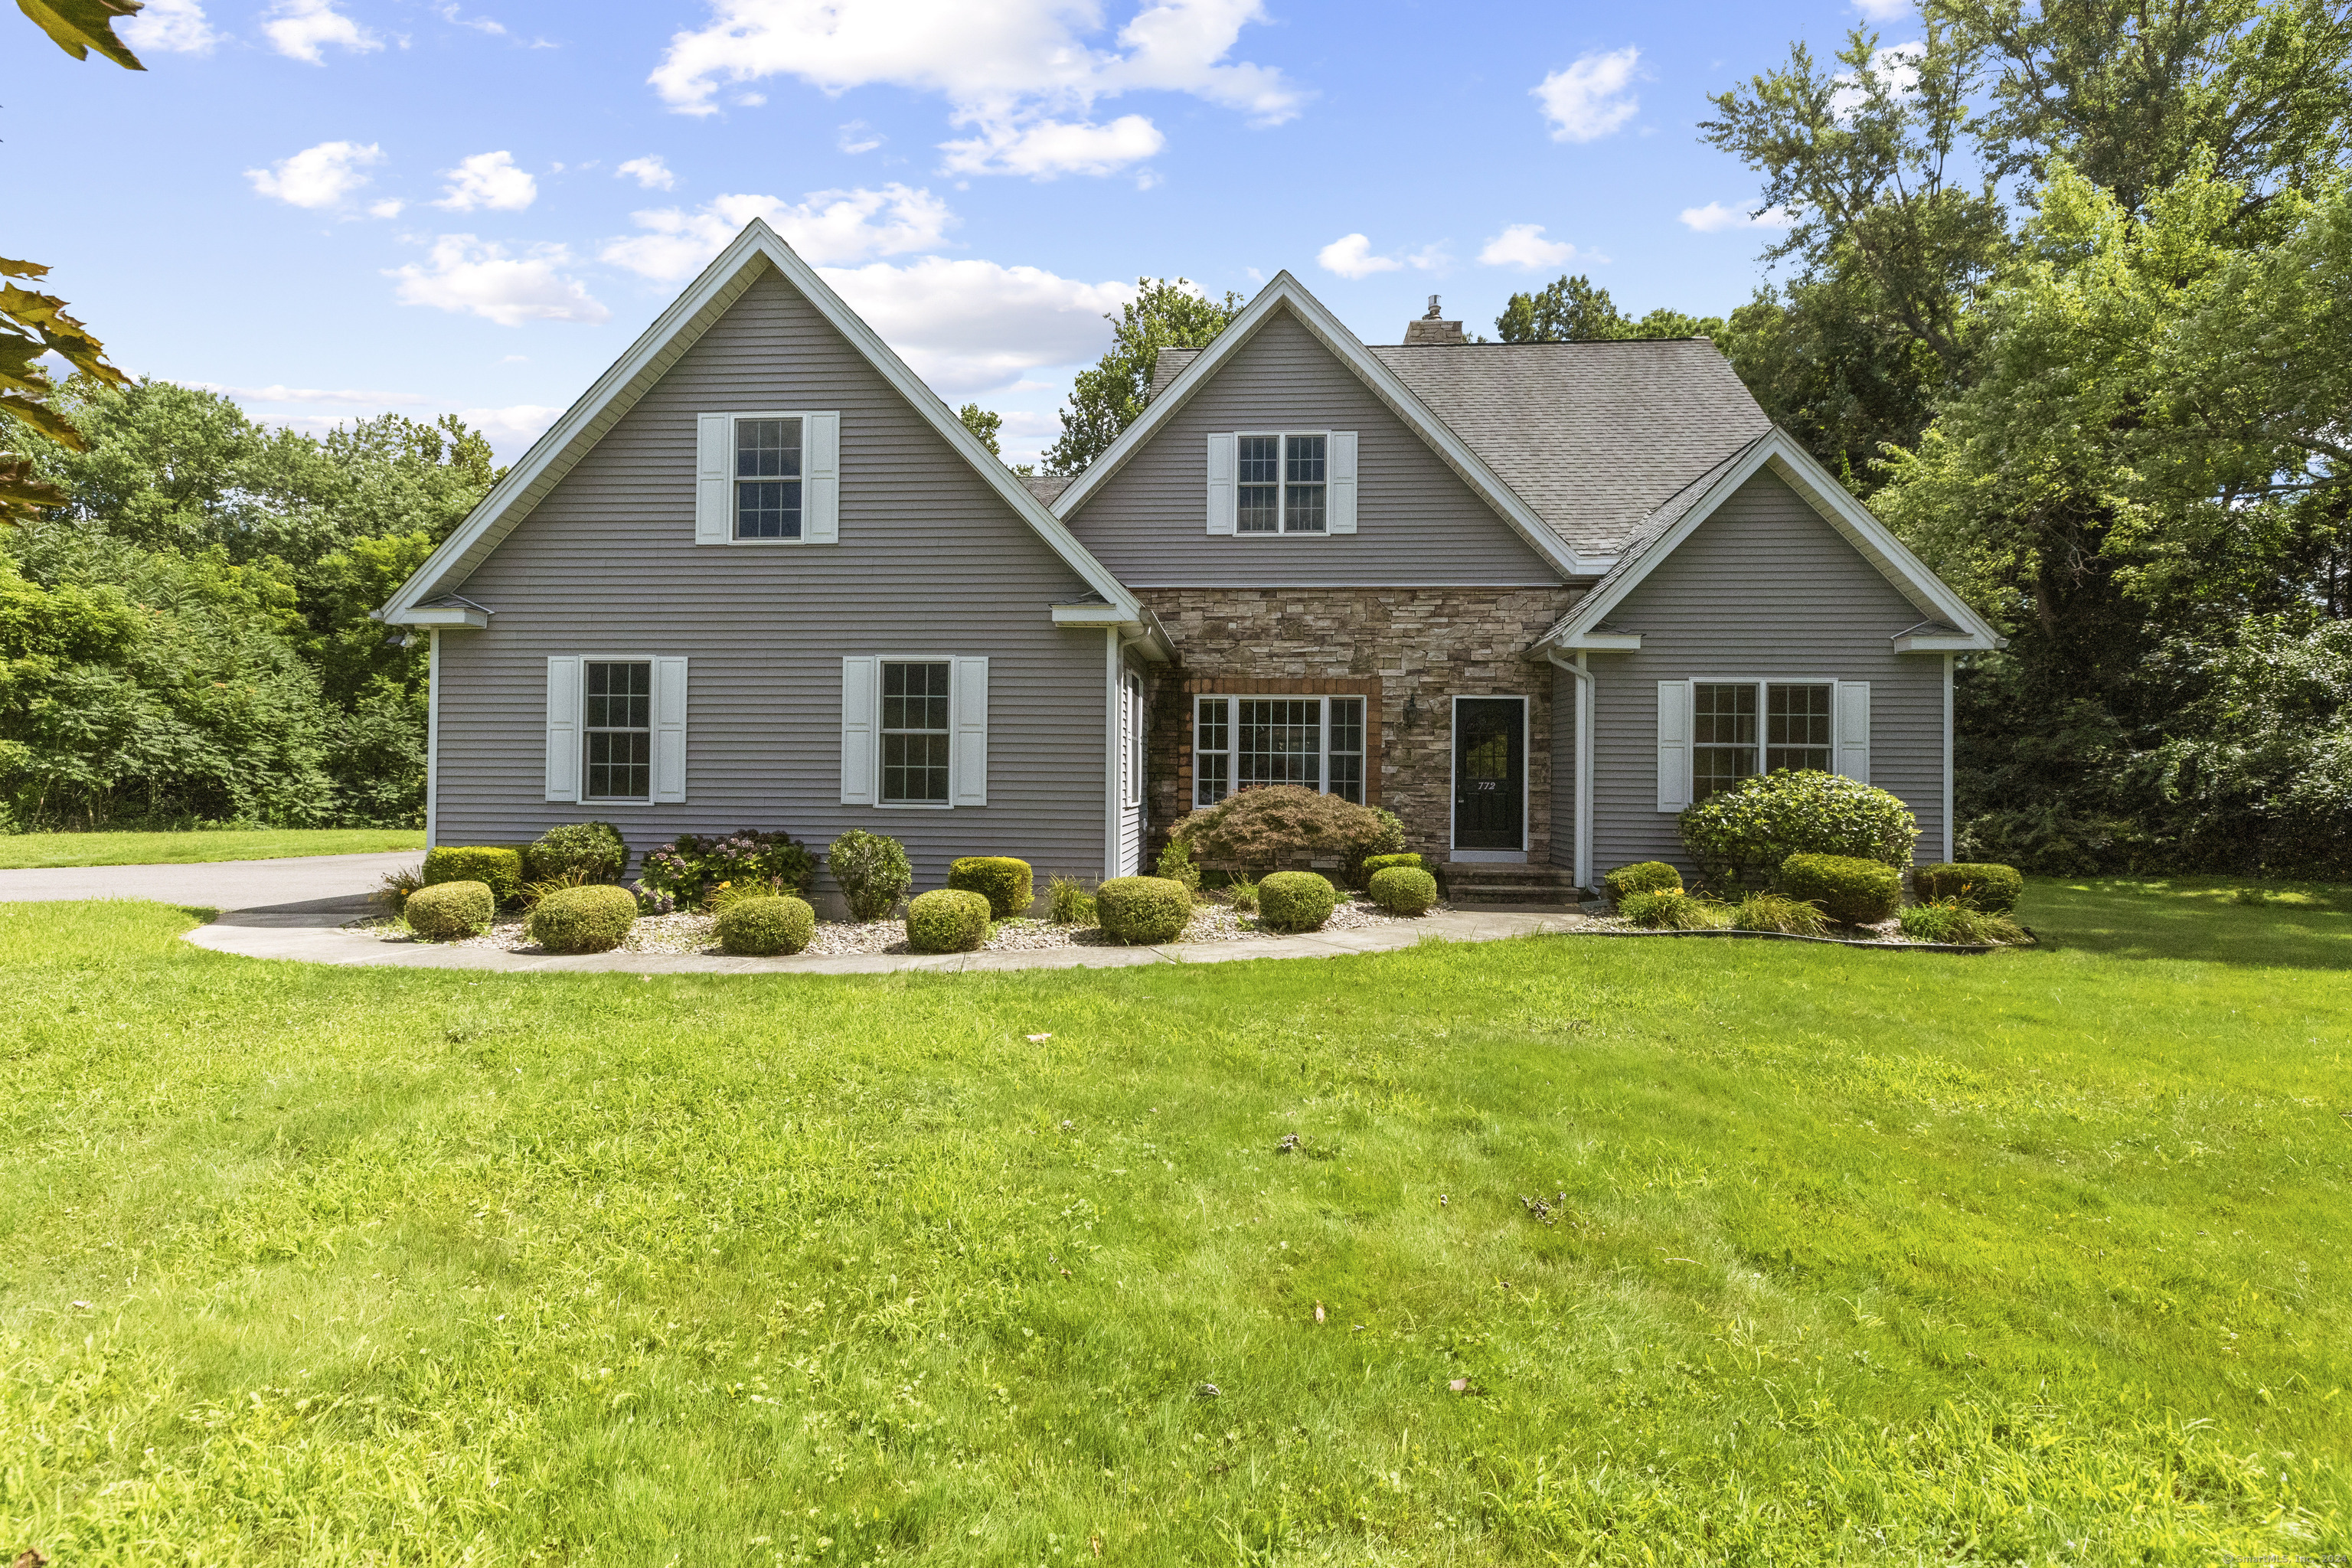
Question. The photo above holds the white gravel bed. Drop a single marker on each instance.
(693, 933)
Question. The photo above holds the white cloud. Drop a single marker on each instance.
(489, 180)
(1887, 10)
(1896, 67)
(281, 393)
(1592, 98)
(171, 28)
(1523, 245)
(512, 428)
(300, 28)
(859, 137)
(462, 273)
(1046, 149)
(389, 207)
(649, 171)
(827, 226)
(1006, 69)
(968, 326)
(449, 14)
(1350, 256)
(1715, 217)
(320, 176)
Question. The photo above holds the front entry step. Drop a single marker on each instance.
(1472, 884)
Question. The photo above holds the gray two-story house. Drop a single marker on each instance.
(1534, 598)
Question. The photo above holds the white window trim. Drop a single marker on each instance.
(1323, 725)
(1282, 488)
(805, 417)
(653, 730)
(955, 729)
(1690, 716)
(1454, 783)
(1133, 752)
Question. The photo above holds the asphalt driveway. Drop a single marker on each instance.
(297, 891)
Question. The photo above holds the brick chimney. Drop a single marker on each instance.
(1430, 330)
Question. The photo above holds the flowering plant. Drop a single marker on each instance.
(690, 867)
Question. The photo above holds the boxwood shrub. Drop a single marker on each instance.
(947, 919)
(872, 871)
(1851, 890)
(1404, 890)
(1376, 864)
(447, 911)
(583, 920)
(1644, 877)
(1004, 882)
(1144, 909)
(495, 867)
(594, 850)
(1993, 888)
(1758, 823)
(763, 927)
(1295, 900)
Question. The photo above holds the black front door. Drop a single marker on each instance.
(1490, 772)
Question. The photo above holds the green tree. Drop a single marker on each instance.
(1573, 310)
(1104, 401)
(1832, 372)
(986, 424)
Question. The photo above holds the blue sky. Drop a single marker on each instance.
(335, 207)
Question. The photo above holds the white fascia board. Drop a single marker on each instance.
(440, 618)
(1141, 631)
(1937, 642)
(1614, 642)
(1286, 291)
(1793, 464)
(719, 285)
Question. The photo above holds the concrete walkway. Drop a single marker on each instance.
(303, 886)
(319, 937)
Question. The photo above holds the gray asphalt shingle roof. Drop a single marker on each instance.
(1596, 438)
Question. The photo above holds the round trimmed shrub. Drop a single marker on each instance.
(1404, 890)
(947, 919)
(1144, 908)
(494, 866)
(872, 871)
(583, 920)
(447, 911)
(766, 926)
(1295, 900)
(1004, 882)
(1987, 887)
(1851, 890)
(594, 850)
(1376, 864)
(1758, 823)
(1646, 876)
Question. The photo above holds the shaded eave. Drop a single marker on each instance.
(1286, 293)
(661, 345)
(1951, 626)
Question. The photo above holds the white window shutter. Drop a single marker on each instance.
(1339, 507)
(669, 730)
(820, 477)
(1673, 744)
(859, 677)
(563, 729)
(1221, 483)
(1854, 729)
(714, 478)
(970, 757)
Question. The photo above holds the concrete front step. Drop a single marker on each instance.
(1471, 882)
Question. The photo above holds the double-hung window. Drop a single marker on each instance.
(1282, 484)
(767, 479)
(1726, 739)
(914, 730)
(916, 735)
(618, 722)
(615, 727)
(1314, 742)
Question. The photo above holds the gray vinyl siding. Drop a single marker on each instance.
(1418, 524)
(931, 561)
(1764, 588)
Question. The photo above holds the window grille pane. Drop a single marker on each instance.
(767, 449)
(1724, 737)
(1281, 741)
(1347, 760)
(1303, 485)
(915, 738)
(1212, 738)
(1258, 508)
(767, 508)
(618, 728)
(1797, 727)
(1212, 777)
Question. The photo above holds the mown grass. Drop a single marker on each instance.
(1846, 1256)
(27, 851)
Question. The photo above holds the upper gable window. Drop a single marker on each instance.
(1299, 482)
(768, 477)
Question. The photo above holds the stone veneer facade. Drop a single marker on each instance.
(1394, 646)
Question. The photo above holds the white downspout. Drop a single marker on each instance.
(1111, 739)
(1582, 853)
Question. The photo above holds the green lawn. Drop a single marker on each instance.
(1849, 1257)
(24, 851)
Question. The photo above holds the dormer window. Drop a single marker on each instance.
(1282, 484)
